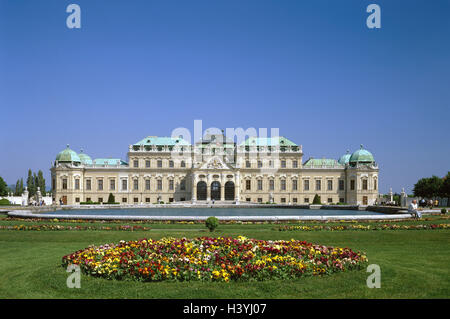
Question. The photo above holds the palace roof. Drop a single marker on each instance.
(321, 162)
(268, 141)
(110, 162)
(161, 141)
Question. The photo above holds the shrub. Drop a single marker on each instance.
(316, 200)
(4, 201)
(443, 211)
(212, 223)
(111, 199)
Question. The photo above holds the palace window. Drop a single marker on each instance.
(147, 184)
(341, 200)
(259, 200)
(135, 199)
(294, 164)
(77, 199)
(375, 184)
(147, 163)
(135, 163)
(306, 200)
(318, 184)
(159, 184)
(341, 185)
(352, 185)
(100, 184)
(306, 185)
(171, 184)
(147, 199)
(330, 200)
(364, 184)
(64, 183)
(248, 184)
(88, 199)
(88, 184)
(100, 199)
(283, 184)
(283, 200)
(159, 163)
(247, 164)
(182, 185)
(271, 184)
(270, 163)
(183, 164)
(294, 184)
(124, 184)
(170, 163)
(259, 164)
(112, 184)
(77, 183)
(135, 184)
(330, 185)
(260, 185)
(283, 164)
(294, 200)
(124, 200)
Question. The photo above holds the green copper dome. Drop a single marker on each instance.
(361, 156)
(345, 158)
(68, 156)
(85, 159)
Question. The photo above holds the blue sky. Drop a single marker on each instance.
(310, 68)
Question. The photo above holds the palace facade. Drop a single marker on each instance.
(259, 170)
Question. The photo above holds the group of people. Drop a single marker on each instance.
(430, 203)
(35, 203)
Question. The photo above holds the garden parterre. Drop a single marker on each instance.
(213, 259)
(365, 227)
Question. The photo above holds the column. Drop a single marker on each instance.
(208, 187)
(222, 191)
(237, 182)
(194, 189)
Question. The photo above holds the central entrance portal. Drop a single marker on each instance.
(215, 191)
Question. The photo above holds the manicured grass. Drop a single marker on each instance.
(414, 264)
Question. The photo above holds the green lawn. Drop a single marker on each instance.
(414, 264)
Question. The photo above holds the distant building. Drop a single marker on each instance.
(258, 170)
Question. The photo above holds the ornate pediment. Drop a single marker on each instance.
(215, 163)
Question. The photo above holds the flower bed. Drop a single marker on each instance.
(213, 259)
(365, 227)
(42, 227)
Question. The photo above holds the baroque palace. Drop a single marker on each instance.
(259, 170)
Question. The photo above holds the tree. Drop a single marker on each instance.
(3, 187)
(111, 199)
(316, 200)
(445, 188)
(211, 223)
(428, 187)
(41, 182)
(17, 190)
(30, 184)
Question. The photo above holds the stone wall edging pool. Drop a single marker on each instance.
(30, 214)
